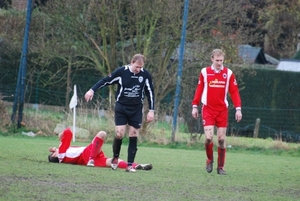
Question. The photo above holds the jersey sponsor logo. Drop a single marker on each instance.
(217, 83)
(132, 92)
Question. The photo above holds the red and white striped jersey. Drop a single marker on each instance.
(213, 87)
(74, 154)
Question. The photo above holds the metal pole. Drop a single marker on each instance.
(20, 89)
(179, 73)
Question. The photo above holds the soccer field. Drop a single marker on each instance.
(25, 174)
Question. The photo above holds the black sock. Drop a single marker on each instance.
(132, 149)
(117, 147)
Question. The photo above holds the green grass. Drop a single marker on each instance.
(178, 174)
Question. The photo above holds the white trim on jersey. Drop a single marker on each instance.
(74, 152)
(204, 93)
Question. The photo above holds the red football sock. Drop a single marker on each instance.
(221, 157)
(96, 147)
(124, 164)
(210, 151)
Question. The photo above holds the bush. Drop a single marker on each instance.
(4, 116)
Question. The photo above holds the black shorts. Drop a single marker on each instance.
(128, 114)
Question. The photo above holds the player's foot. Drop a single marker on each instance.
(130, 169)
(221, 171)
(209, 165)
(91, 163)
(144, 167)
(114, 163)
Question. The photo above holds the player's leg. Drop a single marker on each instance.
(221, 133)
(208, 120)
(132, 148)
(96, 147)
(120, 122)
(209, 147)
(117, 143)
(135, 122)
(123, 165)
(222, 120)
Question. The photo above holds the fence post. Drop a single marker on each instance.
(256, 128)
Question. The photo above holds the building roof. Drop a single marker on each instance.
(289, 65)
(252, 55)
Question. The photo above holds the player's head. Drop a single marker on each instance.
(217, 52)
(217, 58)
(53, 156)
(53, 159)
(138, 57)
(137, 63)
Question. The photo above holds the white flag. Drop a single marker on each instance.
(73, 101)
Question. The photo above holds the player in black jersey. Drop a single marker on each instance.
(134, 83)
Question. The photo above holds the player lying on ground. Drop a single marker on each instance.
(92, 155)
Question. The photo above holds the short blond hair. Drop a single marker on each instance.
(217, 52)
(138, 57)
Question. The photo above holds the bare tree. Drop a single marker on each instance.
(105, 34)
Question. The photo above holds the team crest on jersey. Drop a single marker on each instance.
(224, 75)
(141, 79)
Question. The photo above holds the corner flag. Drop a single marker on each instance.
(73, 101)
(72, 105)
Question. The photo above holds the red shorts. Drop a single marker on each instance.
(214, 118)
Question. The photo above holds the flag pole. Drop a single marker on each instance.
(74, 114)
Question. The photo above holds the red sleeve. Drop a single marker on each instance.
(234, 92)
(65, 142)
(199, 90)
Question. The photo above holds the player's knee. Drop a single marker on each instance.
(101, 134)
(221, 143)
(119, 136)
(208, 141)
(120, 133)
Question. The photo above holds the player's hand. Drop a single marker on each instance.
(89, 95)
(150, 116)
(52, 149)
(238, 115)
(195, 112)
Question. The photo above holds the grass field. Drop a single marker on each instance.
(178, 174)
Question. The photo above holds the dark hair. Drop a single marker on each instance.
(53, 159)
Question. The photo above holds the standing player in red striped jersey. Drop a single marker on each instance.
(214, 83)
(92, 155)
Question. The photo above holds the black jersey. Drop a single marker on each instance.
(132, 88)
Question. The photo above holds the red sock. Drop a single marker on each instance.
(221, 157)
(96, 147)
(123, 164)
(210, 151)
